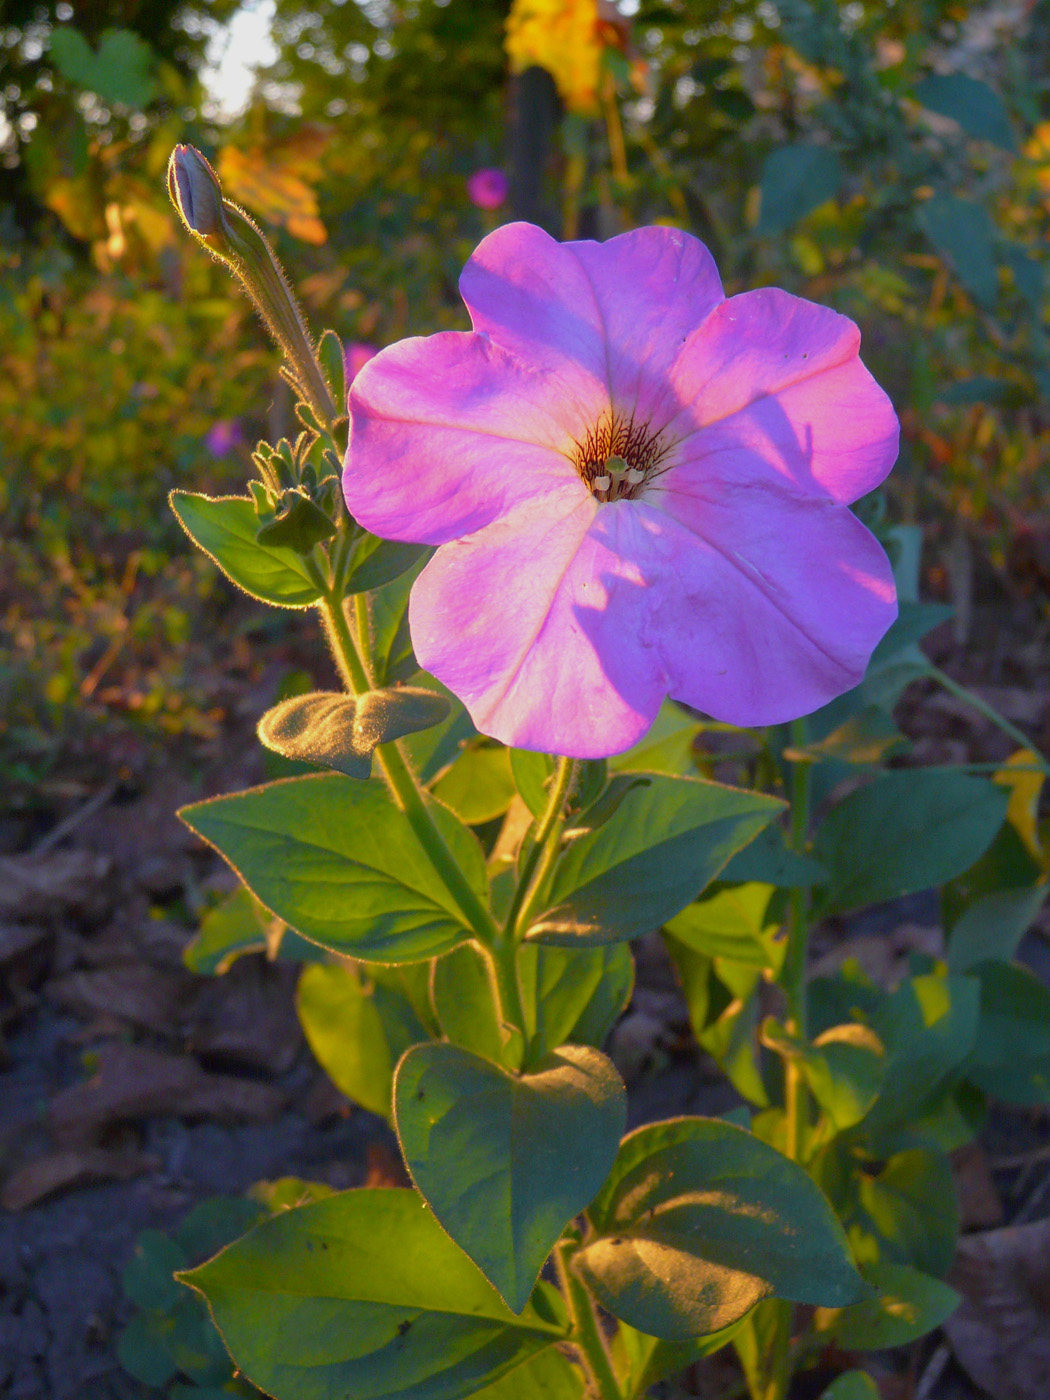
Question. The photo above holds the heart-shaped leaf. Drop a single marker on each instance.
(364, 1294)
(699, 1220)
(506, 1160)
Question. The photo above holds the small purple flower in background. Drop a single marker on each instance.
(487, 189)
(638, 488)
(356, 355)
(222, 437)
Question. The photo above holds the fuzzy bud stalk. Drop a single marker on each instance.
(236, 240)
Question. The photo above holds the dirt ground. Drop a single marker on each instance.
(130, 1090)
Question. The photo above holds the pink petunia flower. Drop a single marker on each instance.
(487, 189)
(638, 488)
(223, 436)
(355, 356)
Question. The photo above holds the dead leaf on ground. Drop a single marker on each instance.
(884, 957)
(384, 1167)
(151, 997)
(247, 1017)
(36, 889)
(324, 1103)
(133, 1081)
(979, 1205)
(1001, 1333)
(59, 1171)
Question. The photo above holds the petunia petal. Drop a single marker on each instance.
(653, 288)
(771, 370)
(449, 432)
(534, 623)
(763, 606)
(833, 435)
(531, 295)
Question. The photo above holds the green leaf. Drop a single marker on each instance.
(844, 1068)
(908, 1304)
(852, 1385)
(505, 1161)
(767, 861)
(732, 923)
(1011, 1056)
(342, 864)
(365, 1295)
(236, 926)
(963, 233)
(667, 746)
(120, 70)
(665, 842)
(357, 1029)
(573, 994)
(149, 1278)
(341, 731)
(977, 108)
(479, 785)
(699, 1220)
(464, 1001)
(224, 528)
(928, 1026)
(866, 738)
(549, 1375)
(642, 1361)
(993, 925)
(388, 617)
(796, 179)
(376, 562)
(143, 1351)
(907, 830)
(906, 1211)
(532, 774)
(214, 1223)
(300, 524)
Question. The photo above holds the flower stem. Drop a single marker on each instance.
(982, 707)
(796, 1094)
(544, 850)
(586, 1334)
(400, 779)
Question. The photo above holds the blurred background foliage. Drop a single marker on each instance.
(890, 157)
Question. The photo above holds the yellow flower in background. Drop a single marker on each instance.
(567, 38)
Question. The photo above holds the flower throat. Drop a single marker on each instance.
(617, 457)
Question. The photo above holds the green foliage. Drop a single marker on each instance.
(338, 861)
(118, 72)
(364, 1293)
(340, 731)
(699, 1220)
(667, 839)
(505, 1161)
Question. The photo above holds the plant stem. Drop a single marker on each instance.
(614, 131)
(544, 848)
(586, 1334)
(400, 778)
(796, 1095)
(982, 707)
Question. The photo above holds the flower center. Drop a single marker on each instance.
(617, 457)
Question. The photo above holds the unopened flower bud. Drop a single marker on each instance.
(197, 195)
(237, 241)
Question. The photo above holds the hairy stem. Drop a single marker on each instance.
(544, 850)
(586, 1334)
(399, 777)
